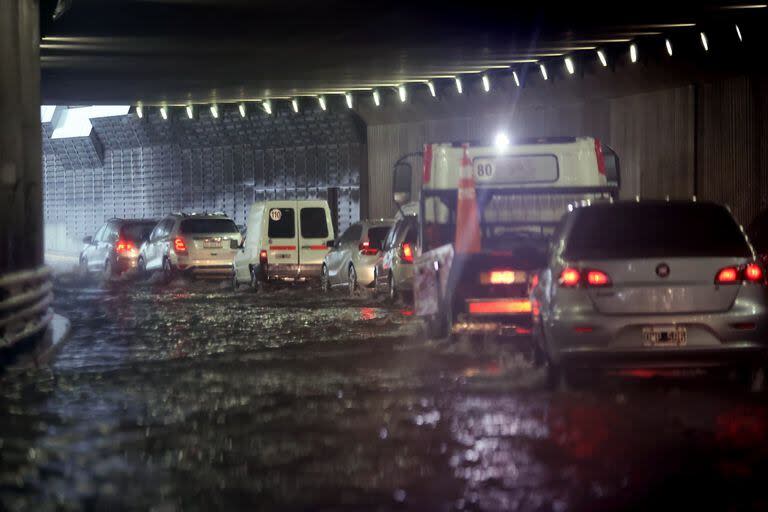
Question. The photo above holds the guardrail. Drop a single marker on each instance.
(25, 305)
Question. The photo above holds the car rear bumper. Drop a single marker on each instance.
(616, 340)
(502, 325)
(206, 268)
(292, 273)
(126, 263)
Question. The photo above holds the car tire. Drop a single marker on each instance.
(141, 267)
(109, 271)
(325, 281)
(256, 283)
(84, 266)
(168, 271)
(392, 289)
(234, 282)
(352, 281)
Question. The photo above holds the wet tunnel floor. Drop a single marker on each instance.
(195, 397)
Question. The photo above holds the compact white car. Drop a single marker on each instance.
(650, 285)
(192, 243)
(284, 241)
(352, 259)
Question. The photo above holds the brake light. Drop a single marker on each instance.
(366, 249)
(502, 277)
(124, 246)
(179, 245)
(600, 157)
(406, 253)
(263, 257)
(727, 275)
(753, 273)
(500, 307)
(598, 278)
(570, 277)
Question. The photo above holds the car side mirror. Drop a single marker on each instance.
(401, 183)
(88, 240)
(330, 243)
(234, 244)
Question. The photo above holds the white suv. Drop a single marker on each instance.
(199, 244)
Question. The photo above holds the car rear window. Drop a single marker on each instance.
(313, 223)
(137, 231)
(655, 230)
(198, 226)
(377, 235)
(282, 223)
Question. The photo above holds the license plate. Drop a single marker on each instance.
(665, 336)
(211, 244)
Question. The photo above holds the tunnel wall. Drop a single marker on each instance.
(652, 133)
(149, 167)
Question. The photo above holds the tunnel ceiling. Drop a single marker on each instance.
(202, 51)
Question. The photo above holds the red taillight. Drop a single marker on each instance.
(366, 249)
(570, 277)
(600, 157)
(263, 258)
(727, 275)
(500, 307)
(406, 253)
(753, 273)
(124, 246)
(179, 245)
(598, 278)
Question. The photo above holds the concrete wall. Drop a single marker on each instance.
(653, 133)
(150, 167)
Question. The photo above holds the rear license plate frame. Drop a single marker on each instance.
(212, 244)
(665, 336)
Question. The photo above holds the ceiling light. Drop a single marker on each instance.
(402, 93)
(633, 52)
(432, 90)
(267, 106)
(569, 65)
(164, 112)
(190, 111)
(704, 41)
(501, 140)
(321, 101)
(140, 111)
(543, 70)
(738, 33)
(516, 78)
(295, 105)
(486, 83)
(242, 110)
(668, 44)
(376, 97)
(348, 97)
(459, 87)
(215, 111)
(601, 56)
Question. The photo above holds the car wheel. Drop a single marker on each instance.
(393, 293)
(168, 270)
(141, 268)
(325, 283)
(109, 271)
(352, 280)
(256, 284)
(84, 266)
(235, 284)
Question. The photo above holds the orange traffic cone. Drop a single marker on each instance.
(467, 239)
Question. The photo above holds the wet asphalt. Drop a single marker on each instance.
(195, 397)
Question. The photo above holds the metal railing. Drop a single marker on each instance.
(25, 305)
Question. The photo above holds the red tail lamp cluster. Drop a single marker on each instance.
(749, 273)
(179, 245)
(571, 277)
(406, 253)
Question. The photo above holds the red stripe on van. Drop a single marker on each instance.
(318, 247)
(282, 247)
(427, 174)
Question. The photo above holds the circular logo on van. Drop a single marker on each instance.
(275, 214)
(662, 270)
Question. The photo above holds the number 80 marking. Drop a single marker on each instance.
(484, 171)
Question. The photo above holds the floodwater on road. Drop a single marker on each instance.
(196, 397)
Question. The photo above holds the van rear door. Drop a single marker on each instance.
(315, 230)
(282, 233)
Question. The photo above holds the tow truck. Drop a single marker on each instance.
(486, 214)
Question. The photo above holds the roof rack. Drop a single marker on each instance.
(195, 214)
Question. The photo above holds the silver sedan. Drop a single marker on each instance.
(653, 286)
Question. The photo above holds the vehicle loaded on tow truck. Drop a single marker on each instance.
(486, 216)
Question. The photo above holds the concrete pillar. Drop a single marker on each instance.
(21, 206)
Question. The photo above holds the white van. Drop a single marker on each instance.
(284, 241)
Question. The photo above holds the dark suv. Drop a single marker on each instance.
(115, 246)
